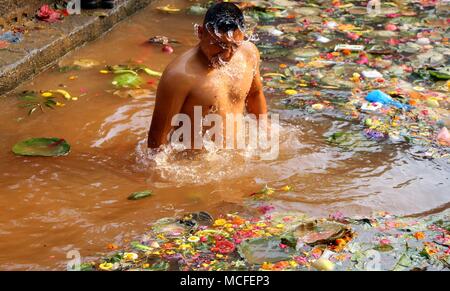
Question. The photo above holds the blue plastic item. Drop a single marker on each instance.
(12, 37)
(381, 97)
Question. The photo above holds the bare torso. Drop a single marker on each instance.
(219, 91)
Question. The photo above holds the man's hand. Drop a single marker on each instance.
(256, 101)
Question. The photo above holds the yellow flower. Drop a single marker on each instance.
(104, 72)
(317, 107)
(220, 222)
(106, 266)
(290, 92)
(59, 104)
(266, 266)
(286, 188)
(47, 94)
(280, 225)
(130, 256)
(145, 266)
(170, 252)
(185, 246)
(73, 78)
(228, 225)
(219, 256)
(293, 263)
(74, 98)
(193, 239)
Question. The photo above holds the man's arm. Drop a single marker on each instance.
(170, 96)
(256, 101)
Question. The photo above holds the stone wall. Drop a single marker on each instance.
(43, 47)
(12, 11)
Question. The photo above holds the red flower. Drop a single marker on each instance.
(47, 14)
(223, 247)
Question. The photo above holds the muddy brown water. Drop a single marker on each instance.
(53, 205)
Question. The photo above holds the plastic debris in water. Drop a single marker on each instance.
(11, 37)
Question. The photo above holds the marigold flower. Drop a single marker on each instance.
(106, 266)
(193, 239)
(419, 235)
(220, 222)
(130, 256)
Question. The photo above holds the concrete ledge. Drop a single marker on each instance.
(42, 48)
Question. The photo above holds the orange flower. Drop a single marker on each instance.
(238, 220)
(346, 52)
(112, 246)
(419, 235)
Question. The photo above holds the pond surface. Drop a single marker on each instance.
(53, 205)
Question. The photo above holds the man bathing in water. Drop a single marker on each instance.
(220, 74)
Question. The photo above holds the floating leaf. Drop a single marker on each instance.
(168, 9)
(313, 233)
(258, 251)
(440, 75)
(127, 80)
(44, 147)
(66, 69)
(34, 102)
(140, 195)
(152, 73)
(64, 93)
(403, 263)
(86, 63)
(136, 245)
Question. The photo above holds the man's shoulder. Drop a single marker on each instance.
(177, 67)
(251, 51)
(250, 48)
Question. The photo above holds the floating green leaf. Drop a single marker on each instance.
(127, 80)
(440, 75)
(140, 195)
(260, 250)
(151, 72)
(44, 147)
(33, 102)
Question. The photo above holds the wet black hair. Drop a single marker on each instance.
(224, 17)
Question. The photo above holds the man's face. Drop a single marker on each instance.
(218, 47)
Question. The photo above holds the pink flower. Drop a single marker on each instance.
(47, 14)
(363, 60)
(352, 35)
(265, 208)
(393, 15)
(301, 260)
(393, 41)
(337, 216)
(385, 241)
(282, 246)
(391, 27)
